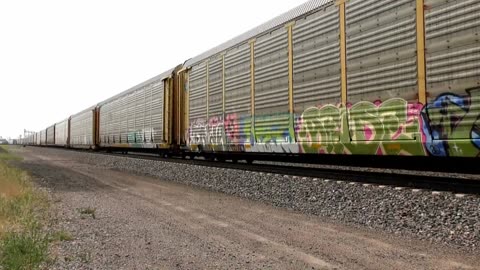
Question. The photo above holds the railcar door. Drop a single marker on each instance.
(452, 115)
(382, 78)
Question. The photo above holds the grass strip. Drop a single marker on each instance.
(23, 210)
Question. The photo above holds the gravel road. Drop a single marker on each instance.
(121, 220)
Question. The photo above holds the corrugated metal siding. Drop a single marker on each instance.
(61, 133)
(279, 21)
(158, 90)
(122, 120)
(271, 87)
(134, 118)
(316, 60)
(130, 106)
(215, 101)
(198, 92)
(163, 75)
(51, 135)
(198, 104)
(237, 80)
(381, 64)
(215, 86)
(43, 137)
(453, 45)
(81, 130)
(238, 95)
(453, 67)
(381, 50)
(271, 73)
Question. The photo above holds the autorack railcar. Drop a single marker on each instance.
(62, 133)
(50, 135)
(138, 117)
(83, 129)
(42, 137)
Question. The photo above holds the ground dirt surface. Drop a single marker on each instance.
(141, 222)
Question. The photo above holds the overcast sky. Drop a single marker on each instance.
(60, 57)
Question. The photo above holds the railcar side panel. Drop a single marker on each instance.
(82, 129)
(316, 78)
(452, 115)
(135, 119)
(215, 136)
(198, 104)
(43, 137)
(51, 135)
(238, 101)
(272, 117)
(382, 76)
(61, 133)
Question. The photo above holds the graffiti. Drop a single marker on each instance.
(379, 128)
(273, 129)
(447, 126)
(451, 125)
(319, 129)
(237, 128)
(374, 126)
(216, 134)
(231, 126)
(198, 132)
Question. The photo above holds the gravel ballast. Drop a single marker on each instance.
(445, 218)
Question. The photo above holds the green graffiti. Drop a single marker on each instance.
(321, 130)
(451, 125)
(274, 128)
(390, 128)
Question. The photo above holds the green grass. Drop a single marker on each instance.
(61, 236)
(23, 250)
(23, 242)
(88, 211)
(5, 154)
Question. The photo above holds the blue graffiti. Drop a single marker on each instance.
(446, 120)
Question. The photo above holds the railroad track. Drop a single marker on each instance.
(442, 182)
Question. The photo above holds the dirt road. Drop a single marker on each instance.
(138, 222)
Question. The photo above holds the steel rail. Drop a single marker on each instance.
(445, 182)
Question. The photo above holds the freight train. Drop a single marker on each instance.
(358, 77)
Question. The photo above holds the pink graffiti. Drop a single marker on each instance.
(413, 111)
(214, 121)
(368, 133)
(377, 103)
(231, 126)
(399, 132)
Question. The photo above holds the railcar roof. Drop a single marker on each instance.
(88, 109)
(303, 9)
(158, 77)
(66, 119)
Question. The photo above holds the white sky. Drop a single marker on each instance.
(58, 57)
